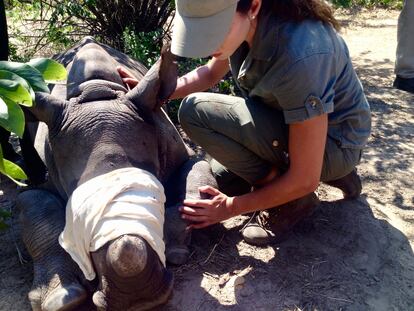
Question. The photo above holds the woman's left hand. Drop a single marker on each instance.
(203, 213)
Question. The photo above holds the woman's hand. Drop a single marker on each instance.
(209, 211)
(128, 79)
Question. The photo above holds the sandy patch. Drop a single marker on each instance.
(352, 255)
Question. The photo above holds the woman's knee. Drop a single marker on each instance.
(187, 111)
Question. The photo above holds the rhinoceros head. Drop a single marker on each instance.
(100, 126)
(92, 65)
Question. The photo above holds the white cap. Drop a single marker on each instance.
(200, 26)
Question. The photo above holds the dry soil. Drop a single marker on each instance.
(351, 255)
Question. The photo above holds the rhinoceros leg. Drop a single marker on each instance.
(57, 279)
(131, 276)
(182, 185)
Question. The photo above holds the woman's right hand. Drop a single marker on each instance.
(129, 80)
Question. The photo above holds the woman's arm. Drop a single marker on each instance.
(201, 78)
(306, 149)
(198, 80)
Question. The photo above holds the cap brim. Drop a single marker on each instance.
(200, 36)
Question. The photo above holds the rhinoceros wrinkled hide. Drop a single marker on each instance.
(89, 127)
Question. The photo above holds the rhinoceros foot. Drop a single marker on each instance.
(58, 283)
(131, 276)
(178, 254)
(65, 298)
(59, 292)
(177, 237)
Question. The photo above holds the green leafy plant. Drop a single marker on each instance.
(37, 26)
(108, 19)
(224, 86)
(144, 46)
(18, 82)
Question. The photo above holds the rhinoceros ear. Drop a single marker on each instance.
(158, 83)
(47, 108)
(168, 74)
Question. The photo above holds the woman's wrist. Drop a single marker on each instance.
(245, 203)
(231, 207)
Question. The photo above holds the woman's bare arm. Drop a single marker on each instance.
(201, 78)
(306, 149)
(198, 80)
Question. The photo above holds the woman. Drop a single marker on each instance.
(303, 117)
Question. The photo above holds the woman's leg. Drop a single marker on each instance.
(245, 137)
(228, 182)
(339, 169)
(248, 139)
(404, 63)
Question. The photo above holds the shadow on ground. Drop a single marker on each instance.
(343, 258)
(388, 160)
(353, 255)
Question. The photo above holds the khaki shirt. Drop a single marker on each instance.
(304, 70)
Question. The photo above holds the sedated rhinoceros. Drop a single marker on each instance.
(91, 127)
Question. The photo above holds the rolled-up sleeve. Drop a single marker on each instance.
(306, 89)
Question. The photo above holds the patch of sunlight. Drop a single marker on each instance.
(264, 254)
(225, 288)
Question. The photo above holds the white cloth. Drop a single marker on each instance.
(124, 201)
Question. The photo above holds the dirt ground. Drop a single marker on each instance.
(352, 255)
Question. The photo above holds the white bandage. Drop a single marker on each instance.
(124, 201)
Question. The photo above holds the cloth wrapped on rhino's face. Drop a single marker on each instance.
(110, 157)
(101, 126)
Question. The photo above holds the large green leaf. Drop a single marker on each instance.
(4, 110)
(15, 92)
(11, 117)
(11, 170)
(27, 72)
(50, 69)
(8, 75)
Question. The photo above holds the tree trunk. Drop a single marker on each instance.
(8, 151)
(4, 37)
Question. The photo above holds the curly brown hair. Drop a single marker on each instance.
(295, 10)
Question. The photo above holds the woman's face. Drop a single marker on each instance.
(240, 31)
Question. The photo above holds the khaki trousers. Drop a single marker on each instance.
(404, 64)
(246, 138)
